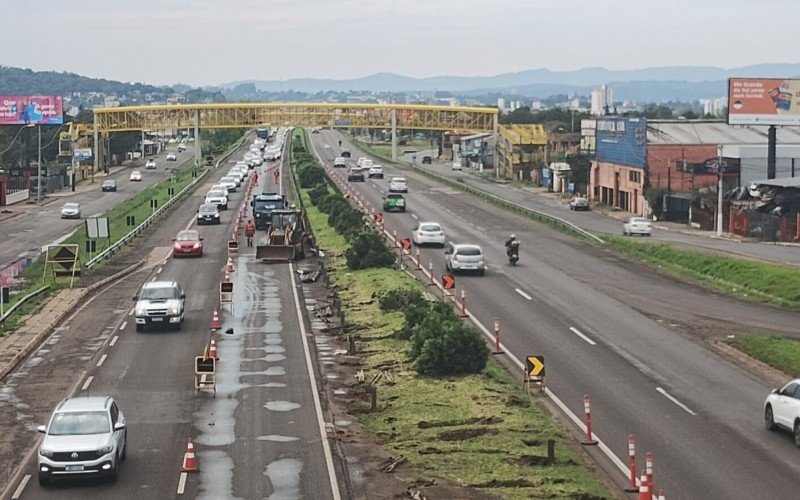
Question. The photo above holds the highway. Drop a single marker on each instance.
(259, 437)
(600, 224)
(31, 231)
(631, 338)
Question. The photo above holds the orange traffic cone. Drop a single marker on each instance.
(212, 351)
(229, 267)
(227, 278)
(215, 322)
(189, 460)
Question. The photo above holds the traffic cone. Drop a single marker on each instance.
(212, 352)
(189, 460)
(227, 278)
(207, 351)
(229, 266)
(216, 324)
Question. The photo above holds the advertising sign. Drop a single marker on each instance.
(81, 154)
(763, 101)
(31, 109)
(622, 141)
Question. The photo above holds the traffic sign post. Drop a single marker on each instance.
(405, 244)
(448, 283)
(534, 372)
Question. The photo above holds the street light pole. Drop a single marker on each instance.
(39, 169)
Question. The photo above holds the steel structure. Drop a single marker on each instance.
(333, 115)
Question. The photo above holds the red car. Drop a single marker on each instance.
(187, 243)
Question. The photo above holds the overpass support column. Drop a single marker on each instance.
(97, 159)
(394, 135)
(495, 157)
(198, 155)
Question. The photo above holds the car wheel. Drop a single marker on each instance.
(44, 479)
(125, 448)
(113, 473)
(769, 419)
(624, 233)
(482, 272)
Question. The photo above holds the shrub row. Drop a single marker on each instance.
(441, 344)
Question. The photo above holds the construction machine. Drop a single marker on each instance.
(286, 237)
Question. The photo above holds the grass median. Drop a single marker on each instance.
(480, 431)
(777, 352)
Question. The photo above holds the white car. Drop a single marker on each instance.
(428, 233)
(398, 185)
(375, 171)
(71, 211)
(219, 198)
(465, 258)
(457, 165)
(340, 162)
(236, 173)
(637, 225)
(271, 155)
(229, 183)
(366, 163)
(181, 147)
(782, 409)
(150, 165)
(172, 157)
(361, 161)
(136, 176)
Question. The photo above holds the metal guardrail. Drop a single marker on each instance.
(22, 301)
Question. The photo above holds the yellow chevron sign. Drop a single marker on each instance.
(534, 366)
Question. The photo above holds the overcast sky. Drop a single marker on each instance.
(208, 42)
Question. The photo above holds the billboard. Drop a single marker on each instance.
(622, 141)
(31, 109)
(82, 154)
(763, 101)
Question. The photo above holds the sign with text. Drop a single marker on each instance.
(31, 109)
(763, 101)
(97, 227)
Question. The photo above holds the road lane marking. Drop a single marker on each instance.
(182, 483)
(581, 335)
(158, 271)
(88, 381)
(123, 325)
(131, 312)
(114, 341)
(674, 400)
(413, 216)
(22, 484)
(102, 360)
(323, 432)
(523, 294)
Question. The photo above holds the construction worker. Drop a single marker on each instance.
(249, 231)
(255, 178)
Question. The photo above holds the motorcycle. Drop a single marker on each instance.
(512, 252)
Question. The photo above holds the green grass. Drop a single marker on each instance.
(759, 281)
(430, 420)
(780, 353)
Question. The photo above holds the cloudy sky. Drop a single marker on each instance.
(207, 42)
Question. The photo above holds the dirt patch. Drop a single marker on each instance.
(464, 434)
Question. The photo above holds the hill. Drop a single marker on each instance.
(26, 81)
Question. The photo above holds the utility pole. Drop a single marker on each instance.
(39, 169)
(719, 191)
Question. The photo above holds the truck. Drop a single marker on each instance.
(263, 206)
(286, 239)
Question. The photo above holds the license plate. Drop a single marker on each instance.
(72, 468)
(156, 319)
(187, 250)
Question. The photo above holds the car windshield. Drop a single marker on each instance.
(108, 183)
(639, 220)
(159, 293)
(431, 228)
(208, 209)
(72, 206)
(216, 194)
(187, 236)
(267, 205)
(80, 423)
(469, 251)
(398, 181)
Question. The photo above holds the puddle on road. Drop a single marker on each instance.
(219, 425)
(272, 339)
(33, 362)
(284, 475)
(277, 439)
(272, 358)
(281, 406)
(275, 349)
(216, 477)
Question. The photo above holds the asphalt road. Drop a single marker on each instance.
(29, 232)
(620, 333)
(259, 437)
(600, 224)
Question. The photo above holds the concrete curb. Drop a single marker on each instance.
(47, 330)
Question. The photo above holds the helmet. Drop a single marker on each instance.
(513, 236)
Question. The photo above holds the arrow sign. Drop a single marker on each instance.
(378, 217)
(448, 281)
(405, 243)
(534, 366)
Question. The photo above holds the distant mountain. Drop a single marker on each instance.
(26, 81)
(710, 79)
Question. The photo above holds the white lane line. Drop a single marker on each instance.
(158, 271)
(413, 216)
(153, 278)
(326, 447)
(581, 335)
(123, 325)
(182, 483)
(674, 400)
(102, 360)
(86, 384)
(130, 313)
(21, 487)
(113, 341)
(523, 294)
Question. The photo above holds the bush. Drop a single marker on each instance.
(348, 222)
(456, 350)
(427, 323)
(310, 175)
(331, 202)
(399, 299)
(316, 193)
(367, 249)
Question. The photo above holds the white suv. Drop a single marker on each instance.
(85, 436)
(465, 258)
(160, 303)
(782, 409)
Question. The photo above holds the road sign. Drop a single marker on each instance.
(405, 243)
(448, 281)
(378, 217)
(97, 227)
(534, 366)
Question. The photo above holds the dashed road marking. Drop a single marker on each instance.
(131, 312)
(182, 483)
(674, 400)
(414, 216)
(581, 335)
(102, 360)
(18, 492)
(113, 341)
(86, 384)
(159, 270)
(523, 294)
(123, 325)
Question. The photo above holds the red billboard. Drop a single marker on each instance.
(31, 109)
(763, 101)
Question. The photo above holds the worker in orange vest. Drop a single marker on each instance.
(249, 231)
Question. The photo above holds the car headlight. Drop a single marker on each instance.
(196, 245)
(173, 310)
(140, 311)
(216, 216)
(45, 452)
(105, 450)
(177, 246)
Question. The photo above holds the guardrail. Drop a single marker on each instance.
(22, 301)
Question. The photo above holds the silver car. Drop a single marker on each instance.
(637, 225)
(84, 437)
(71, 211)
(465, 258)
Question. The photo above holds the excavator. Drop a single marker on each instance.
(286, 238)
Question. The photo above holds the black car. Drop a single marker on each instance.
(345, 153)
(426, 160)
(208, 213)
(109, 185)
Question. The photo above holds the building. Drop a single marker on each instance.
(501, 104)
(601, 100)
(588, 137)
(521, 152)
(617, 175)
(478, 151)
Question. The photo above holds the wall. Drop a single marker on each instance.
(666, 162)
(622, 141)
(619, 186)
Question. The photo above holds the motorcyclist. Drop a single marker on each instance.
(249, 231)
(512, 245)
